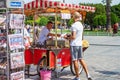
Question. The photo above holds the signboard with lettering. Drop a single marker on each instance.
(15, 4)
(2, 3)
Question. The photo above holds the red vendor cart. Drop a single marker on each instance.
(56, 54)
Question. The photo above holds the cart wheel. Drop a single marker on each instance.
(73, 70)
(42, 64)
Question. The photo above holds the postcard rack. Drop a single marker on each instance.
(12, 62)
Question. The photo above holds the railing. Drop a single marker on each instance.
(90, 33)
(100, 33)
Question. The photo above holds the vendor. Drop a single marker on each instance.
(45, 33)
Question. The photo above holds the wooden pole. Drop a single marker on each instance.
(56, 30)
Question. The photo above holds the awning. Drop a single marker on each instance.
(54, 5)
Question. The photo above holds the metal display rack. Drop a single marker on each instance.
(11, 56)
(3, 49)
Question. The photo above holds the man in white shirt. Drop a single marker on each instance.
(76, 46)
(45, 33)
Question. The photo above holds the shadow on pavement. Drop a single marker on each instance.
(65, 75)
(109, 72)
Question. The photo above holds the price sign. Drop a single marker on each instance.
(15, 4)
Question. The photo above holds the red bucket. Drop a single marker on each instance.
(45, 75)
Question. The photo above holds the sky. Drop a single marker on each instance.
(114, 2)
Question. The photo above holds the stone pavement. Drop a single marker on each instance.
(102, 58)
(103, 40)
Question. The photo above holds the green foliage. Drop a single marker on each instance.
(29, 20)
(100, 9)
(29, 17)
(70, 22)
(99, 17)
(114, 18)
(37, 21)
(99, 20)
(102, 20)
(42, 21)
(89, 18)
(94, 19)
(116, 9)
(51, 18)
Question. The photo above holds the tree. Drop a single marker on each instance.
(96, 21)
(29, 20)
(105, 10)
(99, 20)
(42, 21)
(102, 20)
(114, 18)
(100, 10)
(108, 12)
(116, 9)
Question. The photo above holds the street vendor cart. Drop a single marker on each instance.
(56, 54)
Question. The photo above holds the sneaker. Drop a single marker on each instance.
(89, 78)
(76, 78)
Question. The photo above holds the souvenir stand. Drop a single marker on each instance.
(57, 51)
(12, 53)
(3, 42)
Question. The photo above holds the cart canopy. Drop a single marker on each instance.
(54, 6)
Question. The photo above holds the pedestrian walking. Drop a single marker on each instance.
(115, 28)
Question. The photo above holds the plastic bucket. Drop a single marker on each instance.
(45, 75)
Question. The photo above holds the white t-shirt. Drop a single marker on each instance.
(26, 34)
(78, 28)
(26, 38)
(43, 35)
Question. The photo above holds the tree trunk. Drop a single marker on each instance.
(108, 13)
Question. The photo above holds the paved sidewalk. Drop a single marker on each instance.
(103, 40)
(102, 58)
